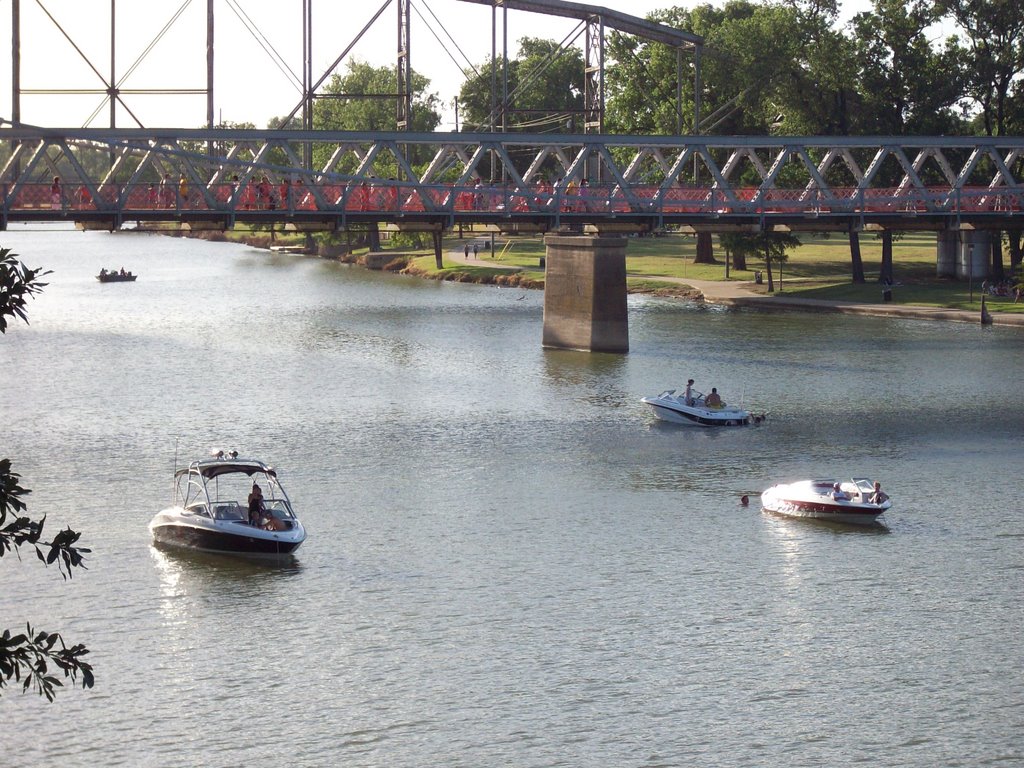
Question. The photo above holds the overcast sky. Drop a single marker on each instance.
(249, 84)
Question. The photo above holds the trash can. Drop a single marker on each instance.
(758, 277)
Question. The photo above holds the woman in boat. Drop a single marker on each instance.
(256, 509)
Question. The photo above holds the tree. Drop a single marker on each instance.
(994, 32)
(775, 246)
(364, 100)
(545, 88)
(737, 246)
(27, 657)
(906, 87)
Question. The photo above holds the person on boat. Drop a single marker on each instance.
(878, 496)
(272, 523)
(103, 271)
(256, 509)
(838, 493)
(688, 395)
(714, 400)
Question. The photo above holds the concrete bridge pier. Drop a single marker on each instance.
(585, 293)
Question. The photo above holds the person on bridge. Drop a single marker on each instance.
(569, 204)
(183, 191)
(361, 197)
(56, 194)
(263, 194)
(391, 196)
(167, 191)
(543, 193)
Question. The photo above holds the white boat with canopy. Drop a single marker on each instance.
(231, 505)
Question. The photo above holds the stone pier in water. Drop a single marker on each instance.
(585, 293)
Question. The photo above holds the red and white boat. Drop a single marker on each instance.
(853, 501)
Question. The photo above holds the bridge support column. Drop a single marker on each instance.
(947, 244)
(585, 293)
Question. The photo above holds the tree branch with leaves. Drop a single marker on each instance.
(37, 659)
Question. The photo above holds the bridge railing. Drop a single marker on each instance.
(258, 175)
(596, 200)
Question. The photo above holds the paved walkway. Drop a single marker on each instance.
(483, 255)
(740, 293)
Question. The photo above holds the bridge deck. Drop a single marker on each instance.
(543, 182)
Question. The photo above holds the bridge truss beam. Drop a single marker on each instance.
(438, 179)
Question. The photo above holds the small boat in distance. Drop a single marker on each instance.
(229, 505)
(116, 276)
(857, 501)
(676, 408)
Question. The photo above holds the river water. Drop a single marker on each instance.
(509, 563)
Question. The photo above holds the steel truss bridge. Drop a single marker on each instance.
(519, 182)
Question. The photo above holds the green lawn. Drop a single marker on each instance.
(819, 269)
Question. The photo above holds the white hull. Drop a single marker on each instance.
(219, 508)
(814, 500)
(176, 527)
(669, 407)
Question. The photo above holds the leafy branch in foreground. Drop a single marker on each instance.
(35, 656)
(17, 284)
(24, 530)
(29, 655)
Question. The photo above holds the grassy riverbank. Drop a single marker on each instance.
(819, 269)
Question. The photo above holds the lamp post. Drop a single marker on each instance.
(970, 272)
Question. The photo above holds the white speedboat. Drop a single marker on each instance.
(670, 406)
(847, 502)
(212, 510)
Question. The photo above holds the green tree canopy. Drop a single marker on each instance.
(365, 99)
(993, 54)
(545, 87)
(906, 86)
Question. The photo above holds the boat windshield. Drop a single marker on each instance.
(864, 485)
(225, 494)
